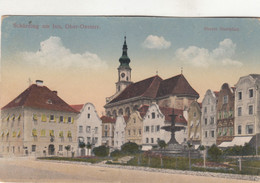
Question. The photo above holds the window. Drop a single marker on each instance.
(88, 115)
(225, 99)
(250, 110)
(51, 117)
(212, 133)
(153, 115)
(239, 129)
(80, 129)
(205, 110)
(219, 115)
(152, 140)
(69, 120)
(44, 118)
(152, 128)
(206, 134)
(61, 118)
(129, 132)
(43, 133)
(212, 108)
(106, 134)
(231, 131)
(134, 131)
(33, 148)
(208, 100)
(96, 140)
(134, 120)
(251, 93)
(147, 140)
(158, 128)
(206, 121)
(105, 127)
(60, 147)
(249, 129)
(147, 129)
(96, 130)
(88, 140)
(35, 117)
(239, 95)
(140, 131)
(239, 111)
(88, 129)
(211, 120)
(194, 114)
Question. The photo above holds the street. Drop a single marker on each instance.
(30, 170)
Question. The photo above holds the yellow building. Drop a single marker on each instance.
(39, 123)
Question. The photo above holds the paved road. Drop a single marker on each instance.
(29, 170)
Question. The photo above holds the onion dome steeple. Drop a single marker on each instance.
(124, 59)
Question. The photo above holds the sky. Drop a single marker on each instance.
(78, 56)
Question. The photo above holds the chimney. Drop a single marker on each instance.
(39, 82)
(55, 92)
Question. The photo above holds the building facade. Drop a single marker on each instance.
(208, 118)
(108, 127)
(39, 123)
(134, 126)
(194, 123)
(225, 114)
(89, 127)
(119, 132)
(247, 106)
(157, 117)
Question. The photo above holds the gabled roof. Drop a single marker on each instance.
(77, 107)
(177, 85)
(145, 88)
(40, 97)
(167, 112)
(107, 119)
(143, 110)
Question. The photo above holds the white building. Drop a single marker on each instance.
(247, 109)
(157, 117)
(208, 118)
(38, 123)
(119, 132)
(89, 127)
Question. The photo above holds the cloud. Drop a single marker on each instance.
(155, 42)
(53, 53)
(202, 57)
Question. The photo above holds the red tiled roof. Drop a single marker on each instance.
(145, 88)
(107, 119)
(216, 93)
(77, 107)
(126, 118)
(40, 97)
(143, 110)
(177, 85)
(168, 111)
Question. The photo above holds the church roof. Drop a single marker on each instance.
(40, 97)
(145, 88)
(107, 119)
(154, 87)
(177, 85)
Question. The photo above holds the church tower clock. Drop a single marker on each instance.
(124, 70)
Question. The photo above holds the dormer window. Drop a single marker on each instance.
(49, 101)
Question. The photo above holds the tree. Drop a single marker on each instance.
(101, 151)
(161, 144)
(214, 153)
(67, 148)
(130, 147)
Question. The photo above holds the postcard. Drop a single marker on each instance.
(129, 99)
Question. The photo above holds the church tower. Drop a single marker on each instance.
(124, 70)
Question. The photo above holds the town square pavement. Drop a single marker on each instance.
(31, 170)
